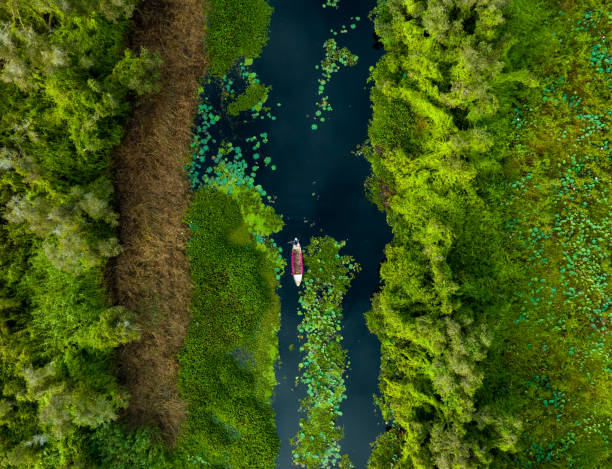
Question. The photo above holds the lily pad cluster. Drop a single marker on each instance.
(344, 29)
(562, 226)
(334, 58)
(223, 159)
(324, 361)
(331, 3)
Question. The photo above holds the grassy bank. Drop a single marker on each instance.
(493, 313)
(227, 366)
(151, 275)
(66, 83)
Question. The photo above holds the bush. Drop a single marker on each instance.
(254, 96)
(236, 28)
(236, 314)
(112, 446)
(140, 74)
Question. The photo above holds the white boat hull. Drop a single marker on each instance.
(298, 279)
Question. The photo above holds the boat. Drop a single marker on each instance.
(297, 264)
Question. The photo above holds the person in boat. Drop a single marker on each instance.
(297, 268)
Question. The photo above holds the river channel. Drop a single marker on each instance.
(320, 161)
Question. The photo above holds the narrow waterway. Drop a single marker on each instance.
(320, 161)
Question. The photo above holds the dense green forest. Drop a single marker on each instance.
(491, 155)
(65, 83)
(489, 146)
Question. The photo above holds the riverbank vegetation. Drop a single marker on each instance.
(236, 29)
(151, 274)
(227, 367)
(489, 146)
(66, 83)
(323, 366)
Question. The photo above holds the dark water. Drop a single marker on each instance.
(320, 161)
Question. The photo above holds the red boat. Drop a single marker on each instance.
(297, 264)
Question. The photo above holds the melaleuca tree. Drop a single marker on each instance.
(69, 399)
(140, 74)
(78, 69)
(115, 326)
(443, 60)
(115, 447)
(42, 13)
(65, 88)
(64, 224)
(20, 456)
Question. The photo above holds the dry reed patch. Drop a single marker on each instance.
(151, 276)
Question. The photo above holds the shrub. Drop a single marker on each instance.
(140, 74)
(255, 95)
(112, 446)
(236, 28)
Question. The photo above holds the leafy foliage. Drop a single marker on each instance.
(65, 88)
(113, 447)
(445, 271)
(489, 148)
(226, 370)
(326, 281)
(237, 28)
(139, 74)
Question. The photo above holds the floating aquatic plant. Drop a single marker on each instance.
(344, 29)
(334, 57)
(331, 3)
(219, 162)
(324, 361)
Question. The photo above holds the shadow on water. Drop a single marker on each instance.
(320, 161)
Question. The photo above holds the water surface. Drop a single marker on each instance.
(320, 161)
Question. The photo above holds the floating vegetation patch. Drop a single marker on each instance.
(226, 370)
(344, 29)
(226, 157)
(254, 97)
(323, 365)
(334, 57)
(331, 3)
